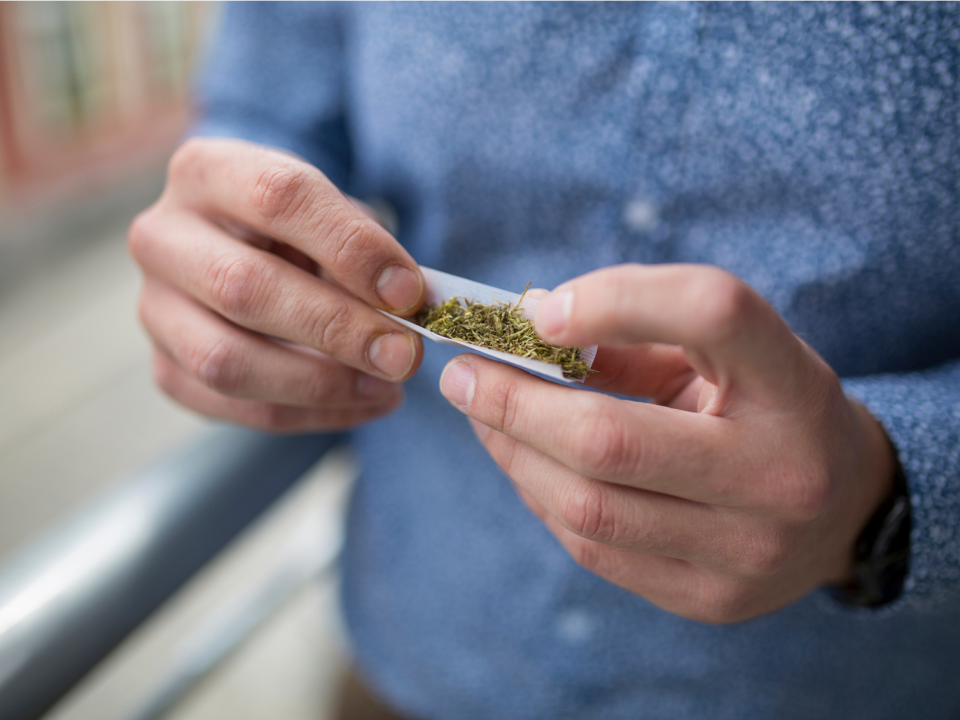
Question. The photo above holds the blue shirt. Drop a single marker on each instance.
(813, 150)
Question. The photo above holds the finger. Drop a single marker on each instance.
(481, 431)
(261, 292)
(291, 201)
(287, 252)
(531, 502)
(732, 336)
(629, 443)
(190, 392)
(660, 372)
(677, 586)
(238, 363)
(652, 370)
(612, 514)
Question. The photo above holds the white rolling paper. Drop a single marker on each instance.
(441, 286)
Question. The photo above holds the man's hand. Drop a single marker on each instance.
(260, 283)
(743, 488)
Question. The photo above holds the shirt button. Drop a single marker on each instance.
(640, 215)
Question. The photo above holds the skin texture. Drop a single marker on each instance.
(738, 490)
(741, 488)
(260, 280)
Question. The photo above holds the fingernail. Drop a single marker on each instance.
(458, 383)
(399, 287)
(479, 429)
(553, 313)
(369, 386)
(392, 354)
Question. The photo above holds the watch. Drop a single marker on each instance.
(882, 551)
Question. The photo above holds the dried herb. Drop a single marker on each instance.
(499, 327)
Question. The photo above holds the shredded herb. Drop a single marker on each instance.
(499, 327)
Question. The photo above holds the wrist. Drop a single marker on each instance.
(880, 552)
(870, 484)
(879, 462)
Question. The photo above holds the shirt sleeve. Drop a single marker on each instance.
(274, 75)
(921, 413)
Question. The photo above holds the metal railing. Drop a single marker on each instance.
(70, 598)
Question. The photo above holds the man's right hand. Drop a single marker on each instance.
(260, 283)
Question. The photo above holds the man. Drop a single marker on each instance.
(766, 197)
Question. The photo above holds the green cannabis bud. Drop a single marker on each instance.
(499, 327)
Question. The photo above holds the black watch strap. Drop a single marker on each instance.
(882, 551)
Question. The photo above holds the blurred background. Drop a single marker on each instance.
(94, 96)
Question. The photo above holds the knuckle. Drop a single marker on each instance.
(606, 447)
(266, 416)
(319, 388)
(504, 451)
(340, 419)
(726, 490)
(587, 512)
(722, 602)
(217, 365)
(164, 374)
(506, 399)
(763, 555)
(142, 234)
(805, 495)
(811, 499)
(237, 284)
(282, 419)
(331, 324)
(588, 554)
(186, 158)
(724, 302)
(285, 419)
(280, 193)
(353, 243)
(145, 311)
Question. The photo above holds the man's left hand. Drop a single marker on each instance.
(739, 489)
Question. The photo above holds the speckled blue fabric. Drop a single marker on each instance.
(813, 150)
